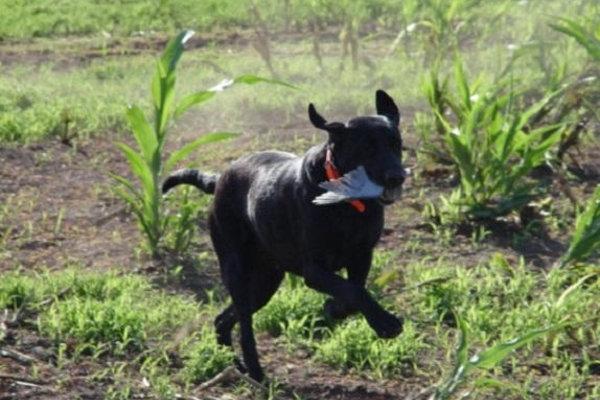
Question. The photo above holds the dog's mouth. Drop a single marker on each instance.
(389, 196)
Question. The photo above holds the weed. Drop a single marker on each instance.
(354, 345)
(96, 313)
(189, 209)
(204, 358)
(295, 311)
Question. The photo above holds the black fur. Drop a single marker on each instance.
(263, 223)
(204, 182)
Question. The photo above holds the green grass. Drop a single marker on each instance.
(294, 311)
(204, 358)
(43, 102)
(99, 312)
(90, 95)
(24, 19)
(354, 345)
(120, 315)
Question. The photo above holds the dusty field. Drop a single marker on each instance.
(60, 210)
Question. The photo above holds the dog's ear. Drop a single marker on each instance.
(334, 128)
(386, 107)
(315, 118)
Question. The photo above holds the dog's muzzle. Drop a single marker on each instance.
(389, 196)
(393, 189)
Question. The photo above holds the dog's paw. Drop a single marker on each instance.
(334, 309)
(386, 325)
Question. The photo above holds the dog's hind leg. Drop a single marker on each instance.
(224, 324)
(251, 284)
(262, 285)
(250, 293)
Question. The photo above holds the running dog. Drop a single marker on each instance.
(264, 222)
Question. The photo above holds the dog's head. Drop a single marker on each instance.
(373, 142)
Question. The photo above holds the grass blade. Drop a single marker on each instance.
(571, 289)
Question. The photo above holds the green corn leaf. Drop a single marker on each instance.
(586, 238)
(461, 83)
(172, 53)
(552, 134)
(163, 83)
(440, 118)
(129, 199)
(537, 107)
(156, 86)
(473, 120)
(494, 355)
(192, 100)
(142, 131)
(579, 33)
(253, 79)
(128, 185)
(205, 95)
(507, 140)
(139, 167)
(163, 113)
(166, 65)
(190, 147)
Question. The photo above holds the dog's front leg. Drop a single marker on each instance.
(355, 296)
(358, 269)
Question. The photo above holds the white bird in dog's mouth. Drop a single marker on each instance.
(353, 185)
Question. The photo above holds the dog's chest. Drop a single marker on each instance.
(346, 231)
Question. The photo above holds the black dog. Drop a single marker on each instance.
(263, 222)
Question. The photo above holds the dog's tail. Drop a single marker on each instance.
(204, 182)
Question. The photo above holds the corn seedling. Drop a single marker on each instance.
(188, 207)
(147, 164)
(492, 145)
(578, 32)
(483, 360)
(586, 238)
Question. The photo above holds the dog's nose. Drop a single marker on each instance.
(394, 178)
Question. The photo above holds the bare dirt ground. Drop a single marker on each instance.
(62, 212)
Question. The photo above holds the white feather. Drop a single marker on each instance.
(353, 185)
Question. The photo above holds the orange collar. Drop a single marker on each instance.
(332, 173)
